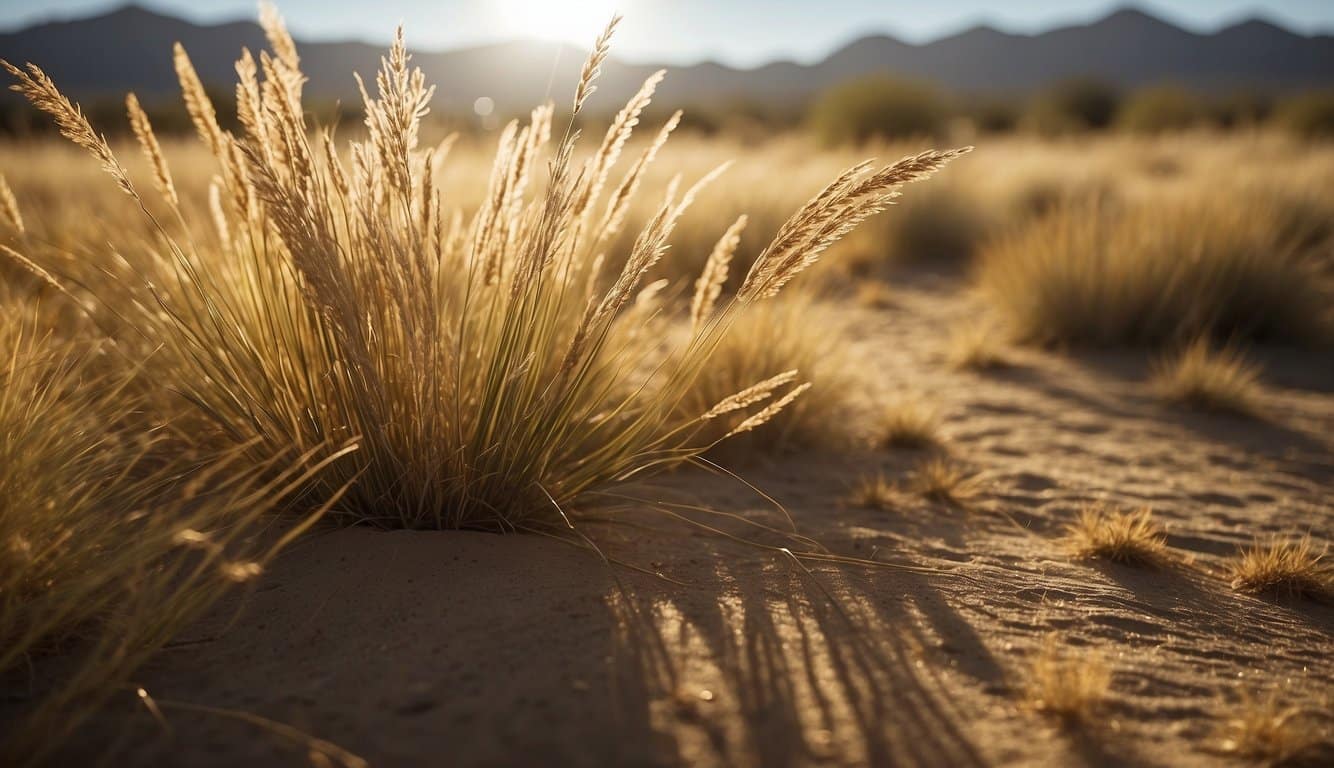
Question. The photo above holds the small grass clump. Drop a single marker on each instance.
(975, 346)
(943, 481)
(1268, 728)
(909, 422)
(1069, 687)
(1290, 568)
(1130, 537)
(1208, 379)
(1156, 271)
(793, 332)
(873, 492)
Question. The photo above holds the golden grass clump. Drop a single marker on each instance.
(976, 346)
(941, 480)
(1266, 727)
(908, 421)
(1159, 271)
(1068, 686)
(1287, 567)
(483, 362)
(1208, 379)
(873, 492)
(106, 546)
(793, 332)
(1131, 537)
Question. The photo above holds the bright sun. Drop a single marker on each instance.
(571, 21)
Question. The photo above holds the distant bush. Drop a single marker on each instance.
(1243, 108)
(942, 229)
(1309, 115)
(878, 107)
(993, 115)
(1162, 108)
(1073, 105)
(1161, 271)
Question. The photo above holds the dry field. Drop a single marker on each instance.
(409, 450)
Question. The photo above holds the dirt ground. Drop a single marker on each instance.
(411, 648)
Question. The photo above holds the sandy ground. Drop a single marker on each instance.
(472, 649)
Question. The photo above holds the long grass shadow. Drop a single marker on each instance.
(798, 667)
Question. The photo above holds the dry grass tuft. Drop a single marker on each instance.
(873, 492)
(1070, 687)
(874, 294)
(1291, 568)
(1203, 378)
(110, 543)
(943, 481)
(1130, 537)
(793, 332)
(1265, 727)
(1159, 270)
(909, 422)
(976, 346)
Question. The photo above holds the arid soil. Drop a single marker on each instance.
(412, 649)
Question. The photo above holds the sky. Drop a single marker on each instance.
(738, 32)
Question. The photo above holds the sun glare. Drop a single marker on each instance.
(578, 21)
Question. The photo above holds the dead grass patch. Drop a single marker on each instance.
(1210, 379)
(1120, 536)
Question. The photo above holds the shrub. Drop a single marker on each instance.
(943, 229)
(878, 108)
(1310, 115)
(1078, 104)
(1161, 109)
(483, 365)
(1157, 271)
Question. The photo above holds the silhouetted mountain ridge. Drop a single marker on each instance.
(130, 49)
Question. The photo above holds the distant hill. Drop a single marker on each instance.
(130, 49)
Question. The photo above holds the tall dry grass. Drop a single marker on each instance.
(482, 360)
(1163, 269)
(107, 549)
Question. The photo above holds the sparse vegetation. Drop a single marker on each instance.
(256, 326)
(1067, 682)
(1121, 536)
(1309, 116)
(1161, 109)
(878, 107)
(1284, 567)
(908, 421)
(1268, 728)
(1156, 272)
(976, 346)
(790, 333)
(492, 401)
(941, 480)
(1217, 380)
(873, 492)
(1078, 104)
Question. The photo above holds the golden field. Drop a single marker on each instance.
(1020, 455)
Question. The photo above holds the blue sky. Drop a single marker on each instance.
(678, 31)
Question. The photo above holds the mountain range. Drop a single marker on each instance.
(130, 49)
